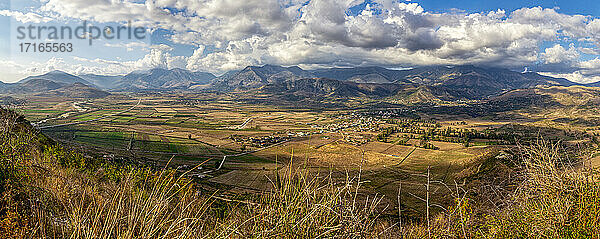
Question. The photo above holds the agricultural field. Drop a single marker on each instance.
(241, 145)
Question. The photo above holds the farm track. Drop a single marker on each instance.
(245, 123)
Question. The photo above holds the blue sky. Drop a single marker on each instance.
(584, 7)
(557, 38)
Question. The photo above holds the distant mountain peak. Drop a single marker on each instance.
(163, 79)
(256, 76)
(58, 77)
(57, 72)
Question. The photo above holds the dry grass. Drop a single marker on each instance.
(159, 206)
(75, 204)
(303, 206)
(558, 196)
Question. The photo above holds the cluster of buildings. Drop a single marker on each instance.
(259, 141)
(386, 114)
(355, 123)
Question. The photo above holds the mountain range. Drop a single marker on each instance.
(57, 77)
(432, 82)
(154, 79)
(429, 83)
(258, 76)
(54, 83)
(161, 79)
